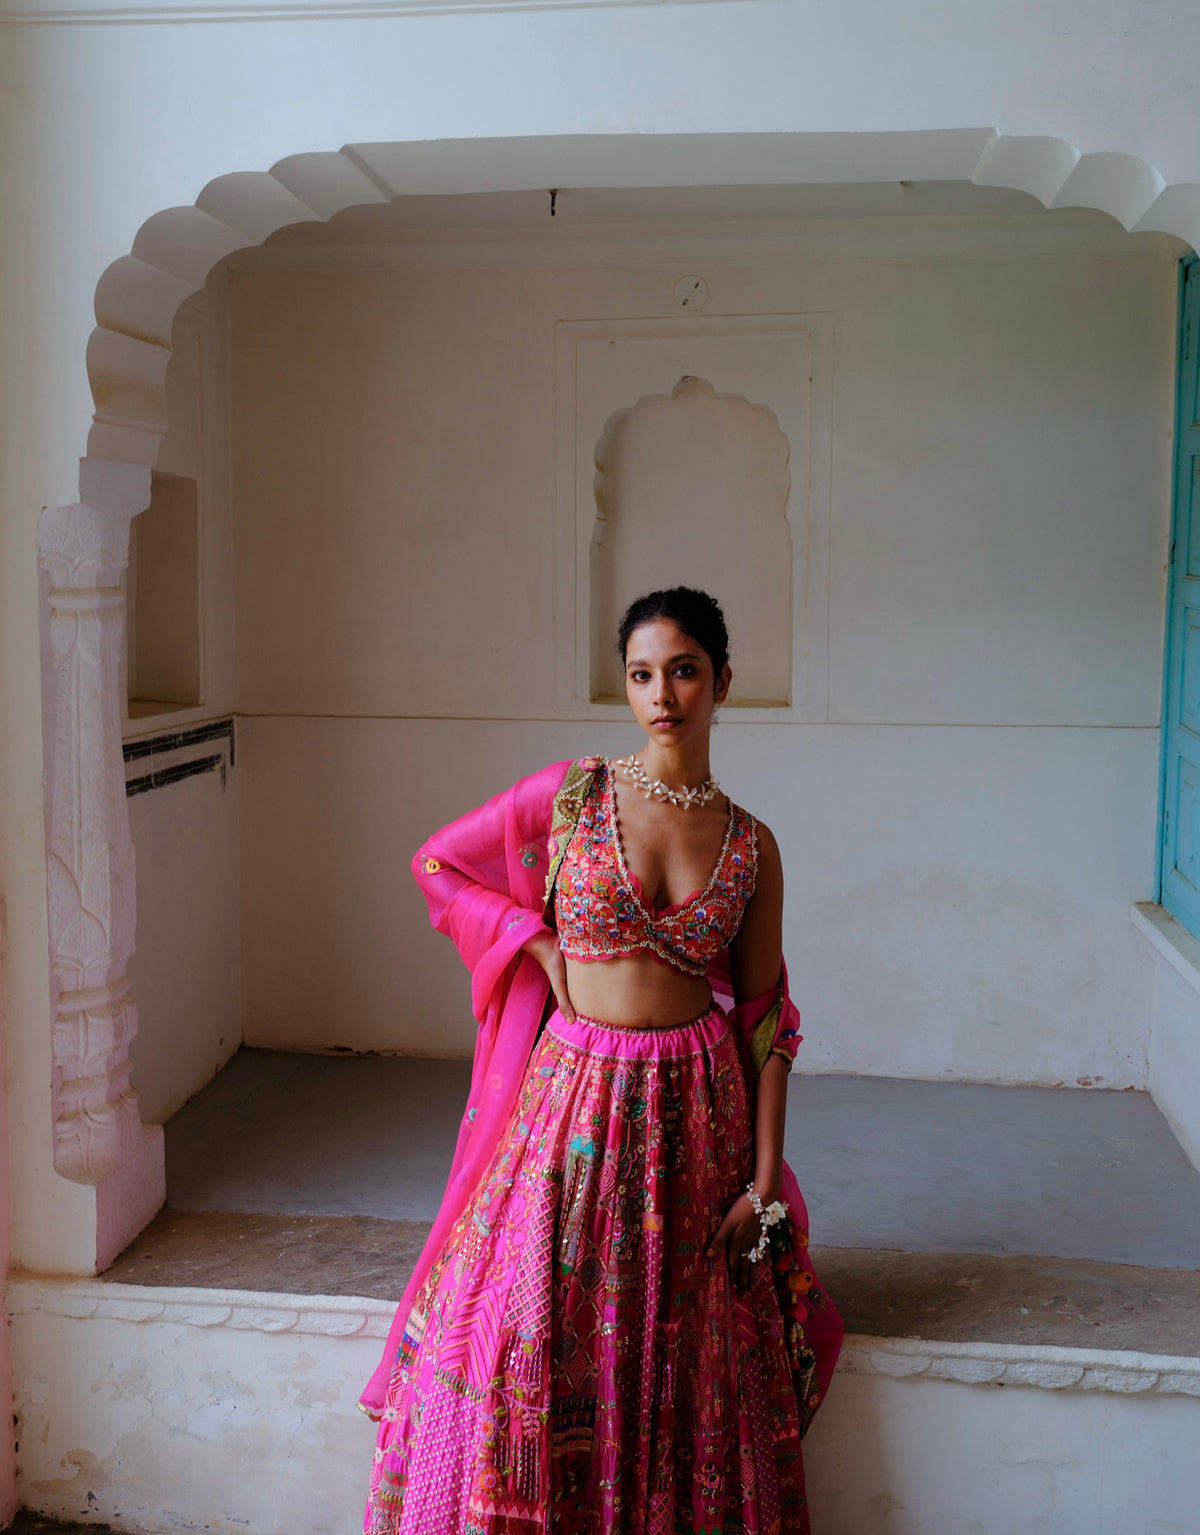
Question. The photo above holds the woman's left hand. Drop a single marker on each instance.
(737, 1235)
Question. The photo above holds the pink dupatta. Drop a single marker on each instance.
(484, 878)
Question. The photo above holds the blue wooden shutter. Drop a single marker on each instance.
(1180, 848)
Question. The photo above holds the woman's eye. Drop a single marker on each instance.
(685, 671)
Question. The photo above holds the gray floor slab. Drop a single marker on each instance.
(957, 1297)
(960, 1167)
(915, 1166)
(282, 1134)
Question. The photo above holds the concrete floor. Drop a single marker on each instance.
(932, 1167)
(951, 1296)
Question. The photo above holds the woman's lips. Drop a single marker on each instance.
(665, 723)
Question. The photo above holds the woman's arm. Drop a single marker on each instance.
(544, 947)
(756, 957)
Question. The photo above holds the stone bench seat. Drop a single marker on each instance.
(949, 1297)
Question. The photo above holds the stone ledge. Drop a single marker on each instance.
(956, 1297)
(1051, 1369)
(357, 1316)
(1167, 937)
(1030, 1302)
(335, 1316)
(299, 1254)
(1120, 1372)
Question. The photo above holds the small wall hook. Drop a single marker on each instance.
(553, 201)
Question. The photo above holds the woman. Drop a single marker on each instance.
(613, 1327)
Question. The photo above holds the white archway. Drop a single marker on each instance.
(174, 251)
(98, 1136)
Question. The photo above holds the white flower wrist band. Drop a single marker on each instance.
(769, 1216)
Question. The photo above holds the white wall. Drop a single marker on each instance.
(102, 126)
(1174, 1023)
(185, 971)
(158, 1409)
(732, 91)
(917, 1457)
(1175, 1055)
(963, 836)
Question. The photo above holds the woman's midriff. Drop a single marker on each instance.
(636, 991)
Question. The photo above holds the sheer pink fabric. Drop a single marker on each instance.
(484, 878)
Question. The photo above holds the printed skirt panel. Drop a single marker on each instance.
(574, 1362)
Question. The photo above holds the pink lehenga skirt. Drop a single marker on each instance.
(574, 1362)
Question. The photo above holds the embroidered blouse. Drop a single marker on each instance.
(599, 904)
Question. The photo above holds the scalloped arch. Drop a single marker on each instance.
(138, 295)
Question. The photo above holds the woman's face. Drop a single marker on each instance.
(669, 682)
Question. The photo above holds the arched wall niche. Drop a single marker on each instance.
(99, 1138)
(665, 428)
(692, 488)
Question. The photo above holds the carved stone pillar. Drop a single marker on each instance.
(99, 1137)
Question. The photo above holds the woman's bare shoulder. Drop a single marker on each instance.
(768, 848)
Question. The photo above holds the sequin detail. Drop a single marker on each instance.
(598, 903)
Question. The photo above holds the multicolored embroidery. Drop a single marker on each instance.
(574, 1360)
(598, 902)
(564, 816)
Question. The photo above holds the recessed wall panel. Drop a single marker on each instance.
(1189, 689)
(1187, 820)
(1192, 481)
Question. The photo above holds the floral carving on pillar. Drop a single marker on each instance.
(84, 547)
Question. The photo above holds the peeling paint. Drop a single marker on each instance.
(235, 1429)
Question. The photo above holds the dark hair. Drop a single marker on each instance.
(693, 611)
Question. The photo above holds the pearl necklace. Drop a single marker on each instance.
(654, 788)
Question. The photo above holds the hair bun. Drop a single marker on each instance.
(696, 612)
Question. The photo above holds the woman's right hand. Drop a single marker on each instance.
(544, 947)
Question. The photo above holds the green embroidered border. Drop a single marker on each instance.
(763, 1035)
(568, 807)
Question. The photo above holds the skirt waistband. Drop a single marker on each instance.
(648, 1028)
(622, 1041)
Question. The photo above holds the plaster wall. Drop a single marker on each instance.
(8, 1465)
(83, 171)
(185, 971)
(221, 94)
(152, 1409)
(962, 836)
(1175, 1056)
(912, 1456)
(951, 910)
(78, 162)
(1174, 1025)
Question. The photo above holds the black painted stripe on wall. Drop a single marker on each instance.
(161, 777)
(172, 740)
